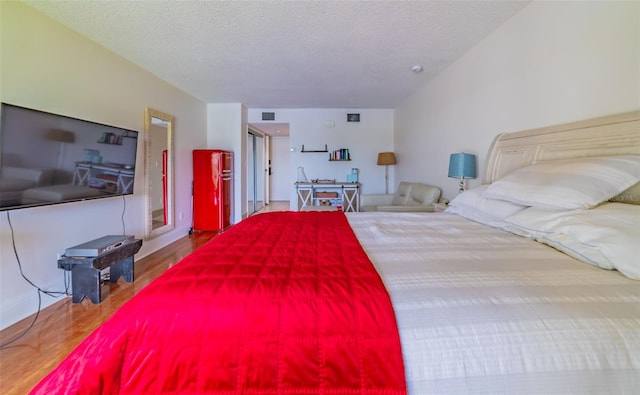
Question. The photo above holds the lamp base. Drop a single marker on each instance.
(462, 186)
(386, 179)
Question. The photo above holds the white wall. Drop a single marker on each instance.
(227, 130)
(48, 67)
(364, 139)
(553, 62)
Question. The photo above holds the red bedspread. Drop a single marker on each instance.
(281, 303)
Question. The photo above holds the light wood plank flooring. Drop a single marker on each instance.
(63, 325)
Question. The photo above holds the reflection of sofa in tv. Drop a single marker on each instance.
(21, 185)
(15, 180)
(58, 193)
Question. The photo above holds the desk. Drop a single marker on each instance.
(85, 271)
(92, 174)
(347, 195)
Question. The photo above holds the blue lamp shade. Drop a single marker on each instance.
(462, 166)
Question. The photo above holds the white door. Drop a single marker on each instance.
(280, 179)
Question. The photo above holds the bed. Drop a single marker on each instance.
(525, 291)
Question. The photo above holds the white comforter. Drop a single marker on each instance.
(484, 311)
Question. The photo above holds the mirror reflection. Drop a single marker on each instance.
(159, 172)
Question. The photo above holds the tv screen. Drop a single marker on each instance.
(48, 158)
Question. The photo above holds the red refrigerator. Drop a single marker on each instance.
(212, 189)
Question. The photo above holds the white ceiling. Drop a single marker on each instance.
(288, 54)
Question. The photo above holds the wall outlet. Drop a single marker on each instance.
(180, 216)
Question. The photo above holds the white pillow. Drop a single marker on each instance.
(472, 205)
(607, 236)
(569, 184)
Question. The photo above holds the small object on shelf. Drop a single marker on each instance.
(353, 176)
(92, 156)
(341, 154)
(324, 181)
(127, 134)
(326, 149)
(327, 194)
(302, 177)
(110, 138)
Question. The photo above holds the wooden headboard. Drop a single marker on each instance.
(611, 135)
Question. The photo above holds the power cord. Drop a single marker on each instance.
(124, 209)
(40, 291)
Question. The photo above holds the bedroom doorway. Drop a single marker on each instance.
(276, 162)
(255, 171)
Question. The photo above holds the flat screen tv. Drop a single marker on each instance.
(48, 158)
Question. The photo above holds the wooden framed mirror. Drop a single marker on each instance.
(159, 175)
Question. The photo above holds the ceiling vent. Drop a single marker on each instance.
(268, 116)
(353, 117)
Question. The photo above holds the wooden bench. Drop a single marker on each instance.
(85, 271)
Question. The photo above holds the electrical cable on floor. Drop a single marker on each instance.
(40, 291)
(24, 332)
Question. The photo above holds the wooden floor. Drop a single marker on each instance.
(63, 325)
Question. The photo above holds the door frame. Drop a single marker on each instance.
(251, 155)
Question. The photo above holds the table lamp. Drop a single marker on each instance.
(462, 166)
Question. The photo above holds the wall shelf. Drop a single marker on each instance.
(339, 155)
(326, 149)
(111, 138)
(115, 139)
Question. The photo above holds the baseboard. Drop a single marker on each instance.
(15, 309)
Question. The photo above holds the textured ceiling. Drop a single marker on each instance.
(287, 54)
